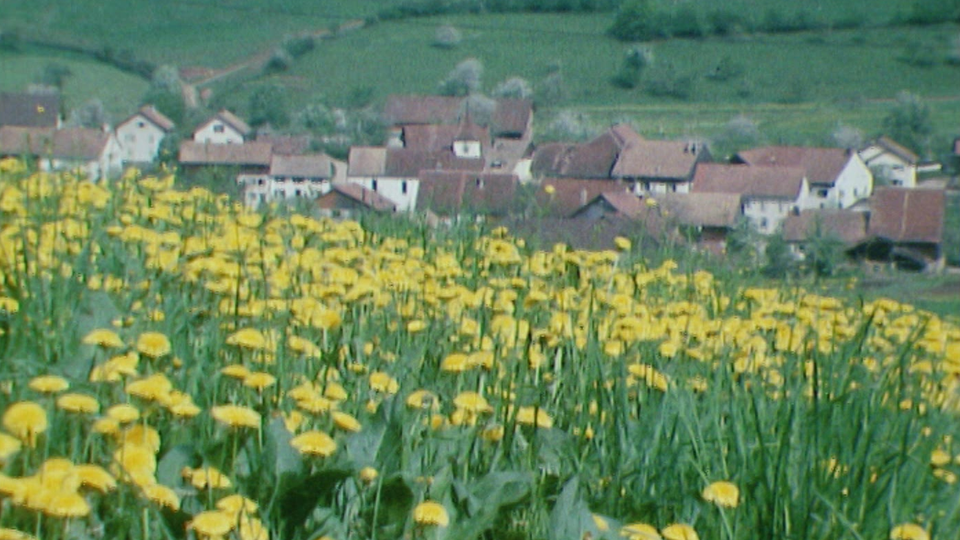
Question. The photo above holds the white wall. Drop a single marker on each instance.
(643, 187)
(258, 189)
(217, 132)
(886, 165)
(393, 189)
(140, 139)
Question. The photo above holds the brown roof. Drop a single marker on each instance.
(823, 165)
(358, 194)
(907, 215)
(287, 144)
(231, 120)
(70, 143)
(469, 131)
(897, 149)
(593, 159)
(510, 117)
(407, 163)
(154, 116)
(671, 160)
(701, 209)
(366, 160)
(569, 194)
(774, 182)
(543, 233)
(29, 110)
(429, 136)
(453, 192)
(847, 225)
(305, 166)
(248, 153)
(622, 203)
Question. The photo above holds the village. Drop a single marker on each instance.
(446, 159)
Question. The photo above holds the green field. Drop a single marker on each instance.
(120, 92)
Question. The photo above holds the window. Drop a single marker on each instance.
(373, 184)
(403, 187)
(822, 193)
(763, 223)
(218, 128)
(141, 125)
(479, 183)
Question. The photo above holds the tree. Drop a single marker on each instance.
(464, 79)
(823, 251)
(909, 122)
(847, 137)
(635, 61)
(268, 105)
(636, 21)
(480, 108)
(739, 132)
(514, 87)
(447, 37)
(89, 115)
(54, 74)
(779, 261)
(552, 90)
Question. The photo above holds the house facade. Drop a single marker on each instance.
(223, 128)
(142, 133)
(891, 163)
(305, 176)
(93, 153)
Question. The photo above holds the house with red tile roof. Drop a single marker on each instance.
(291, 177)
(891, 163)
(453, 193)
(768, 194)
(905, 228)
(846, 225)
(562, 197)
(623, 204)
(223, 128)
(703, 218)
(346, 200)
(30, 110)
(838, 178)
(141, 133)
(93, 152)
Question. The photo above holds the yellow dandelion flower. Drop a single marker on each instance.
(66, 505)
(472, 402)
(153, 344)
(724, 494)
(25, 420)
(303, 346)
(9, 446)
(423, 399)
(235, 371)
(13, 534)
(368, 475)
(316, 404)
(621, 243)
(384, 383)
(236, 416)
(335, 391)
(259, 380)
(252, 529)
(78, 403)
(248, 338)
(236, 504)
(49, 384)
(532, 416)
(106, 426)
(431, 514)
(152, 388)
(909, 531)
(679, 531)
(162, 495)
(640, 531)
(212, 523)
(314, 443)
(455, 363)
(136, 462)
(345, 421)
(142, 435)
(209, 477)
(103, 337)
(123, 413)
(96, 477)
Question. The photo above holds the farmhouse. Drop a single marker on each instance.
(905, 228)
(891, 163)
(451, 193)
(222, 128)
(838, 178)
(250, 160)
(30, 110)
(92, 152)
(768, 194)
(706, 219)
(847, 226)
(345, 200)
(141, 134)
(292, 177)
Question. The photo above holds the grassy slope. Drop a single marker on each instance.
(119, 91)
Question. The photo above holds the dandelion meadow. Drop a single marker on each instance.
(174, 366)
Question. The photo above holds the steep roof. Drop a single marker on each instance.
(70, 143)
(623, 203)
(366, 161)
(29, 110)
(403, 162)
(359, 194)
(304, 166)
(592, 159)
(822, 165)
(230, 119)
(153, 116)
(907, 215)
(847, 225)
(701, 209)
(452, 192)
(248, 153)
(510, 117)
(897, 149)
(429, 136)
(774, 182)
(569, 194)
(673, 160)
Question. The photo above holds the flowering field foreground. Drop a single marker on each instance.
(175, 366)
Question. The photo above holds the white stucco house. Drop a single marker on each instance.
(223, 128)
(838, 178)
(291, 177)
(93, 153)
(891, 163)
(141, 134)
(768, 194)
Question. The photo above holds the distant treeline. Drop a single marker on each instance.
(124, 60)
(426, 8)
(645, 20)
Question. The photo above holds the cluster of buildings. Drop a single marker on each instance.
(454, 156)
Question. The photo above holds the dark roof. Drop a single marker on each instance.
(454, 192)
(569, 194)
(304, 166)
(29, 110)
(621, 203)
(407, 163)
(289, 145)
(848, 225)
(592, 159)
(823, 165)
(774, 182)
(700, 209)
(510, 117)
(230, 119)
(544, 233)
(154, 116)
(907, 215)
(669, 160)
(896, 149)
(70, 143)
(358, 194)
(248, 153)
(429, 136)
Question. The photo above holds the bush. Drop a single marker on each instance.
(297, 46)
(552, 90)
(447, 37)
(667, 81)
(268, 105)
(464, 79)
(910, 122)
(515, 88)
(921, 54)
(636, 60)
(280, 60)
